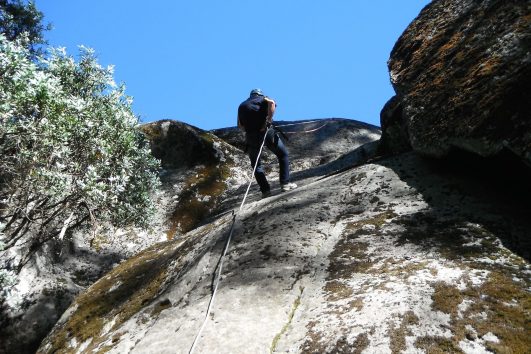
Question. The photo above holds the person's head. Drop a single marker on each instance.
(256, 92)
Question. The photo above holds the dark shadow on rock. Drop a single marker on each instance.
(465, 188)
(355, 157)
(131, 286)
(23, 333)
(177, 144)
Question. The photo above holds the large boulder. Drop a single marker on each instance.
(462, 74)
(388, 257)
(178, 144)
(198, 167)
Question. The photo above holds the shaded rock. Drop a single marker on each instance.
(23, 332)
(462, 74)
(395, 137)
(179, 144)
(45, 289)
(232, 135)
(199, 168)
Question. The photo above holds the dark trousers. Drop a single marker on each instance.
(273, 143)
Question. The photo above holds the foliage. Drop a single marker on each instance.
(22, 20)
(71, 153)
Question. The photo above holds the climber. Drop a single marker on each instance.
(255, 116)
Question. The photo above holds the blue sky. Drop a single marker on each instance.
(196, 60)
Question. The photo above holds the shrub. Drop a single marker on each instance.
(71, 153)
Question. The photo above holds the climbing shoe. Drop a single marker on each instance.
(288, 186)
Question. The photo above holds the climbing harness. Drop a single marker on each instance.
(219, 266)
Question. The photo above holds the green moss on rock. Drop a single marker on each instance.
(498, 306)
(122, 293)
(397, 335)
(437, 345)
(446, 298)
(337, 290)
(200, 197)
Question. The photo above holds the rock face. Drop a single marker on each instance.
(177, 144)
(462, 75)
(202, 175)
(213, 179)
(401, 254)
(198, 169)
(395, 255)
(201, 167)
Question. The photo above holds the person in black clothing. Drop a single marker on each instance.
(255, 116)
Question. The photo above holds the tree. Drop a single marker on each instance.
(71, 153)
(22, 20)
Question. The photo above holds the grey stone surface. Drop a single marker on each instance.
(462, 71)
(387, 256)
(194, 187)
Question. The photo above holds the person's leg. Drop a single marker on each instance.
(275, 144)
(259, 174)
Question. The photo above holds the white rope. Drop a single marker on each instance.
(215, 290)
(220, 263)
(289, 125)
(307, 131)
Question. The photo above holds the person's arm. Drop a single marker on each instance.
(240, 121)
(271, 106)
(240, 125)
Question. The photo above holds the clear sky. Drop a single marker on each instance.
(196, 60)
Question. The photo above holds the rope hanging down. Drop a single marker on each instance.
(219, 266)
